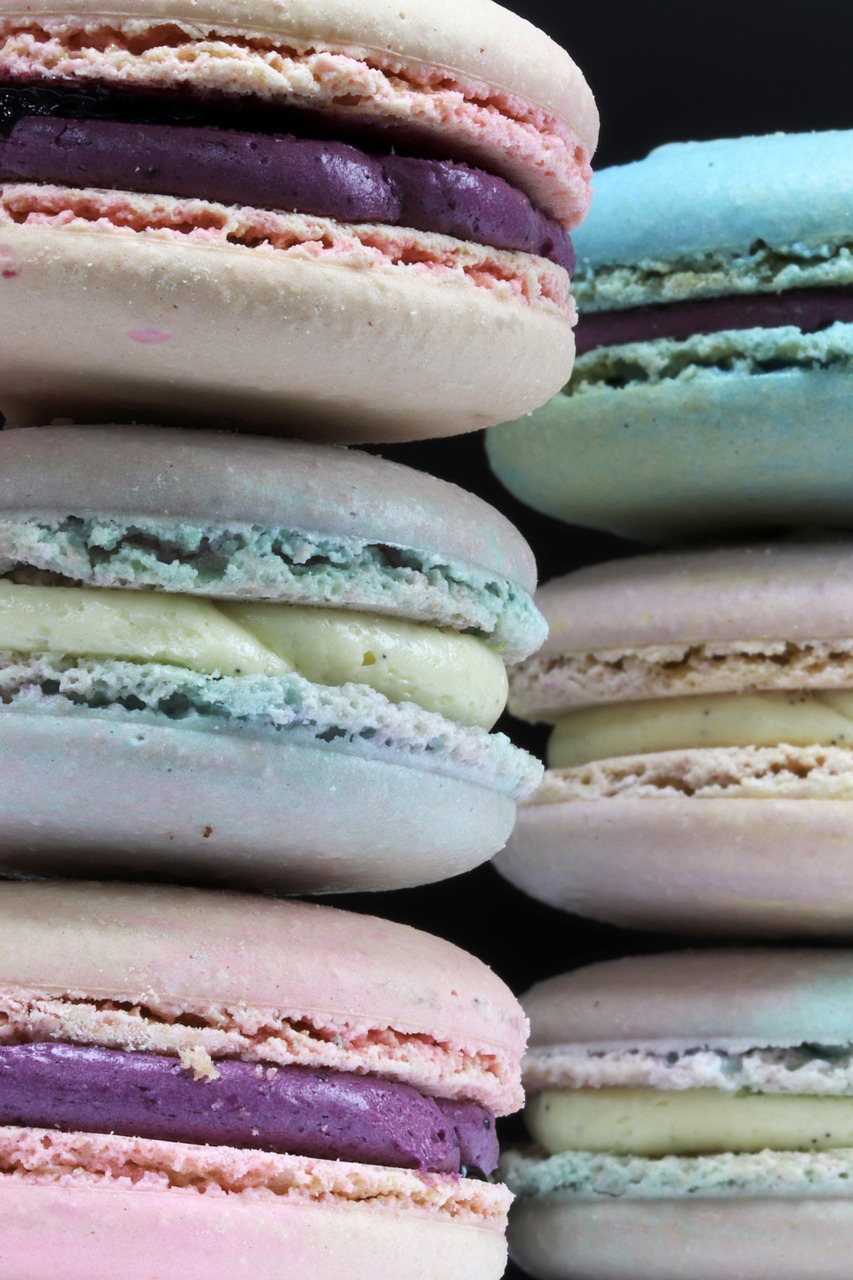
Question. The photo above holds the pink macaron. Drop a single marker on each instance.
(207, 1083)
(346, 220)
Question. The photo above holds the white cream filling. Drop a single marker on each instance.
(716, 720)
(659, 1122)
(444, 671)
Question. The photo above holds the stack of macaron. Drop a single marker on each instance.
(236, 655)
(700, 766)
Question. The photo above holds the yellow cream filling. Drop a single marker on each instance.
(456, 675)
(658, 1122)
(716, 720)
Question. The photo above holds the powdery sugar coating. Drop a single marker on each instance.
(203, 224)
(529, 147)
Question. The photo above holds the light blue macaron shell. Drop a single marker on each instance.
(684, 459)
(691, 198)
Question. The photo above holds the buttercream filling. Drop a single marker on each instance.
(456, 675)
(292, 1110)
(763, 719)
(657, 1122)
(118, 142)
(808, 310)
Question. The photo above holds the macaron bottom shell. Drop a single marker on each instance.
(90, 796)
(748, 1235)
(722, 452)
(102, 320)
(754, 868)
(147, 1232)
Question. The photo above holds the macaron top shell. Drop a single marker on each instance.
(472, 38)
(788, 590)
(183, 954)
(205, 476)
(735, 999)
(232, 515)
(689, 199)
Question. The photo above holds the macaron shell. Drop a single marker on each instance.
(690, 199)
(706, 1239)
(679, 459)
(732, 998)
(205, 476)
(476, 39)
(728, 868)
(174, 948)
(85, 795)
(144, 1233)
(105, 323)
(795, 589)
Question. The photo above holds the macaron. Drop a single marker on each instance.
(701, 770)
(252, 661)
(692, 1119)
(343, 219)
(207, 1083)
(714, 382)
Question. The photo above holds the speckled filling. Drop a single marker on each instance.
(582, 1175)
(762, 269)
(350, 718)
(706, 356)
(107, 1162)
(256, 562)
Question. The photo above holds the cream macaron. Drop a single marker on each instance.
(701, 770)
(692, 1117)
(217, 1084)
(346, 218)
(252, 661)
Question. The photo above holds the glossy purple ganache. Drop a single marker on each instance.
(329, 1115)
(282, 172)
(806, 309)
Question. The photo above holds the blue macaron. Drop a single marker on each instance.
(714, 386)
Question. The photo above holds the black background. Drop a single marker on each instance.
(661, 71)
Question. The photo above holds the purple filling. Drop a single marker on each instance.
(304, 175)
(330, 1115)
(808, 309)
